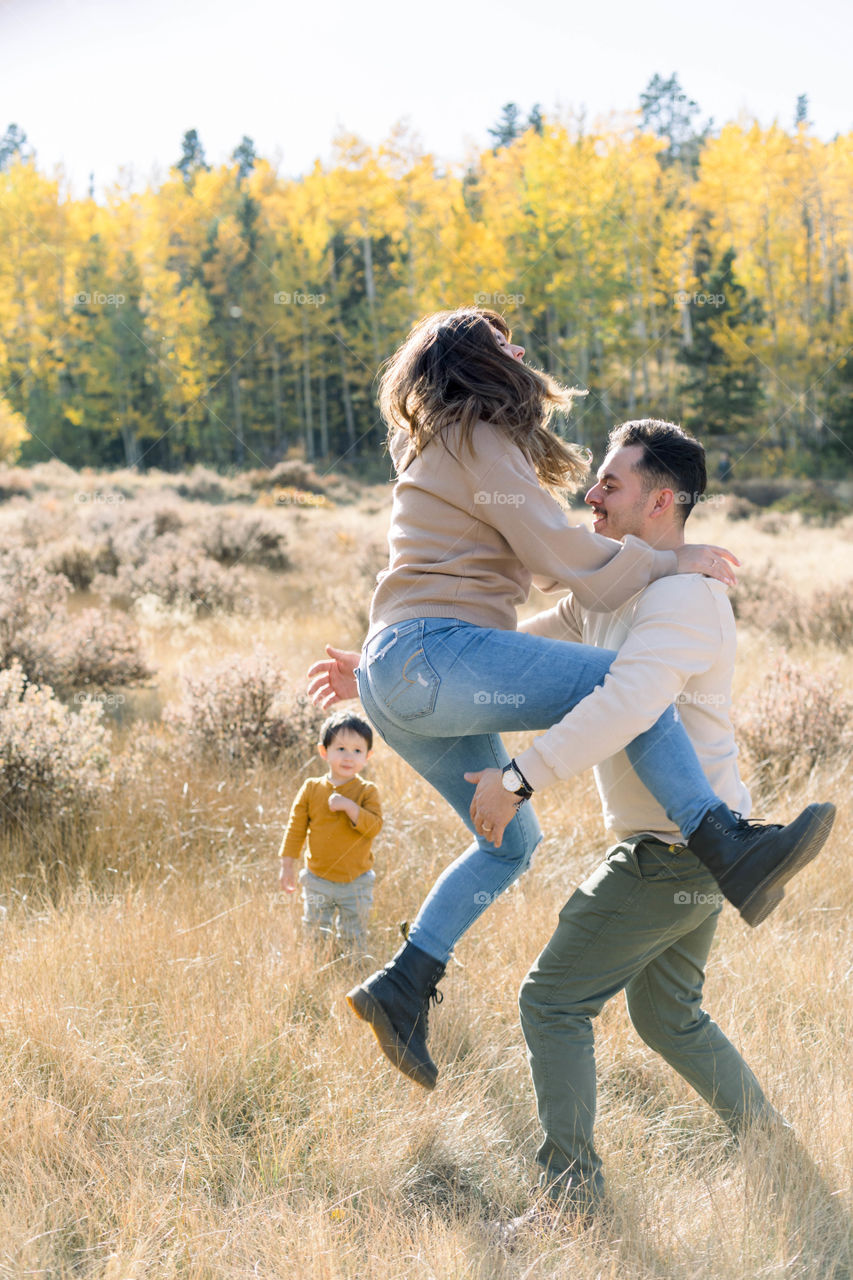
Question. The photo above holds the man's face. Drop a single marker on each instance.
(618, 499)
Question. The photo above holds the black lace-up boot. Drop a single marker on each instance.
(752, 862)
(395, 1002)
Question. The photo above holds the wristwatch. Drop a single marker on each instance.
(514, 781)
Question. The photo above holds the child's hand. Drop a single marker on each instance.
(287, 875)
(349, 807)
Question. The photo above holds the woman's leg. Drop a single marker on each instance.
(442, 679)
(480, 874)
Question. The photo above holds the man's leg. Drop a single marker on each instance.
(665, 1006)
(619, 920)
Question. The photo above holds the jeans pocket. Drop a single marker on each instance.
(400, 677)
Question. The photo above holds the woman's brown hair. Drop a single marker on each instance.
(451, 371)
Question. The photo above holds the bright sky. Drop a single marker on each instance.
(101, 84)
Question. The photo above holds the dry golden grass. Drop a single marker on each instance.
(185, 1094)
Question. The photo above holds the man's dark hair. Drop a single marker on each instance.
(345, 720)
(671, 459)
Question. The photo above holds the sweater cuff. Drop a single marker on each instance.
(538, 772)
(664, 564)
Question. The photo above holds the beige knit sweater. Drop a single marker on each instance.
(471, 529)
(676, 643)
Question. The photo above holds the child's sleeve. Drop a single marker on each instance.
(369, 821)
(297, 826)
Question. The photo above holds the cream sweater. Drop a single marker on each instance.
(676, 643)
(470, 531)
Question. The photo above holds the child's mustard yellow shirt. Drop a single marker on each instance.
(338, 849)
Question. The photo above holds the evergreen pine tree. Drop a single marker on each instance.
(245, 156)
(508, 127)
(13, 145)
(192, 157)
(723, 383)
(666, 110)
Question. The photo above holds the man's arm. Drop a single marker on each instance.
(563, 622)
(676, 635)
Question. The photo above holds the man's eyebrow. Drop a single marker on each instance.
(606, 475)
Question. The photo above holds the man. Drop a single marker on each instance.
(644, 921)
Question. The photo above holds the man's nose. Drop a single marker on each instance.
(592, 495)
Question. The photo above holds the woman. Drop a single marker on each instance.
(443, 670)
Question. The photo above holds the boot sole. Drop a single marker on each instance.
(767, 896)
(366, 1007)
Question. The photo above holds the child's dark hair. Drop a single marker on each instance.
(345, 720)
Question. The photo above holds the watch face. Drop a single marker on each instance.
(511, 780)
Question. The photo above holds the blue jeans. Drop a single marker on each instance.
(441, 691)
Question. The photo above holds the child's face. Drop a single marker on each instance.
(345, 754)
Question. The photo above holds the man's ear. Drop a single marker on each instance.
(664, 501)
(322, 751)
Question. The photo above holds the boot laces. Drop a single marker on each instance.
(747, 828)
(433, 996)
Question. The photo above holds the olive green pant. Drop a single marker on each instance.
(644, 921)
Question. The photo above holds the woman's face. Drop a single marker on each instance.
(510, 348)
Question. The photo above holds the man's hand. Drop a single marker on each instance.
(492, 808)
(287, 874)
(349, 807)
(334, 680)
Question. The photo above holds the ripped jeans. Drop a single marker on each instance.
(440, 692)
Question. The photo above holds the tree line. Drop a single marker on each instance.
(230, 315)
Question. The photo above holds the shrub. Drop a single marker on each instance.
(51, 648)
(240, 711)
(761, 492)
(52, 760)
(129, 534)
(815, 504)
(99, 651)
(293, 474)
(177, 575)
(80, 561)
(14, 483)
(203, 485)
(793, 720)
(235, 538)
(765, 602)
(31, 601)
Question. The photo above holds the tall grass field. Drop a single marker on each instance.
(183, 1090)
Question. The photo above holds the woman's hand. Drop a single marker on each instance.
(493, 808)
(334, 680)
(711, 561)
